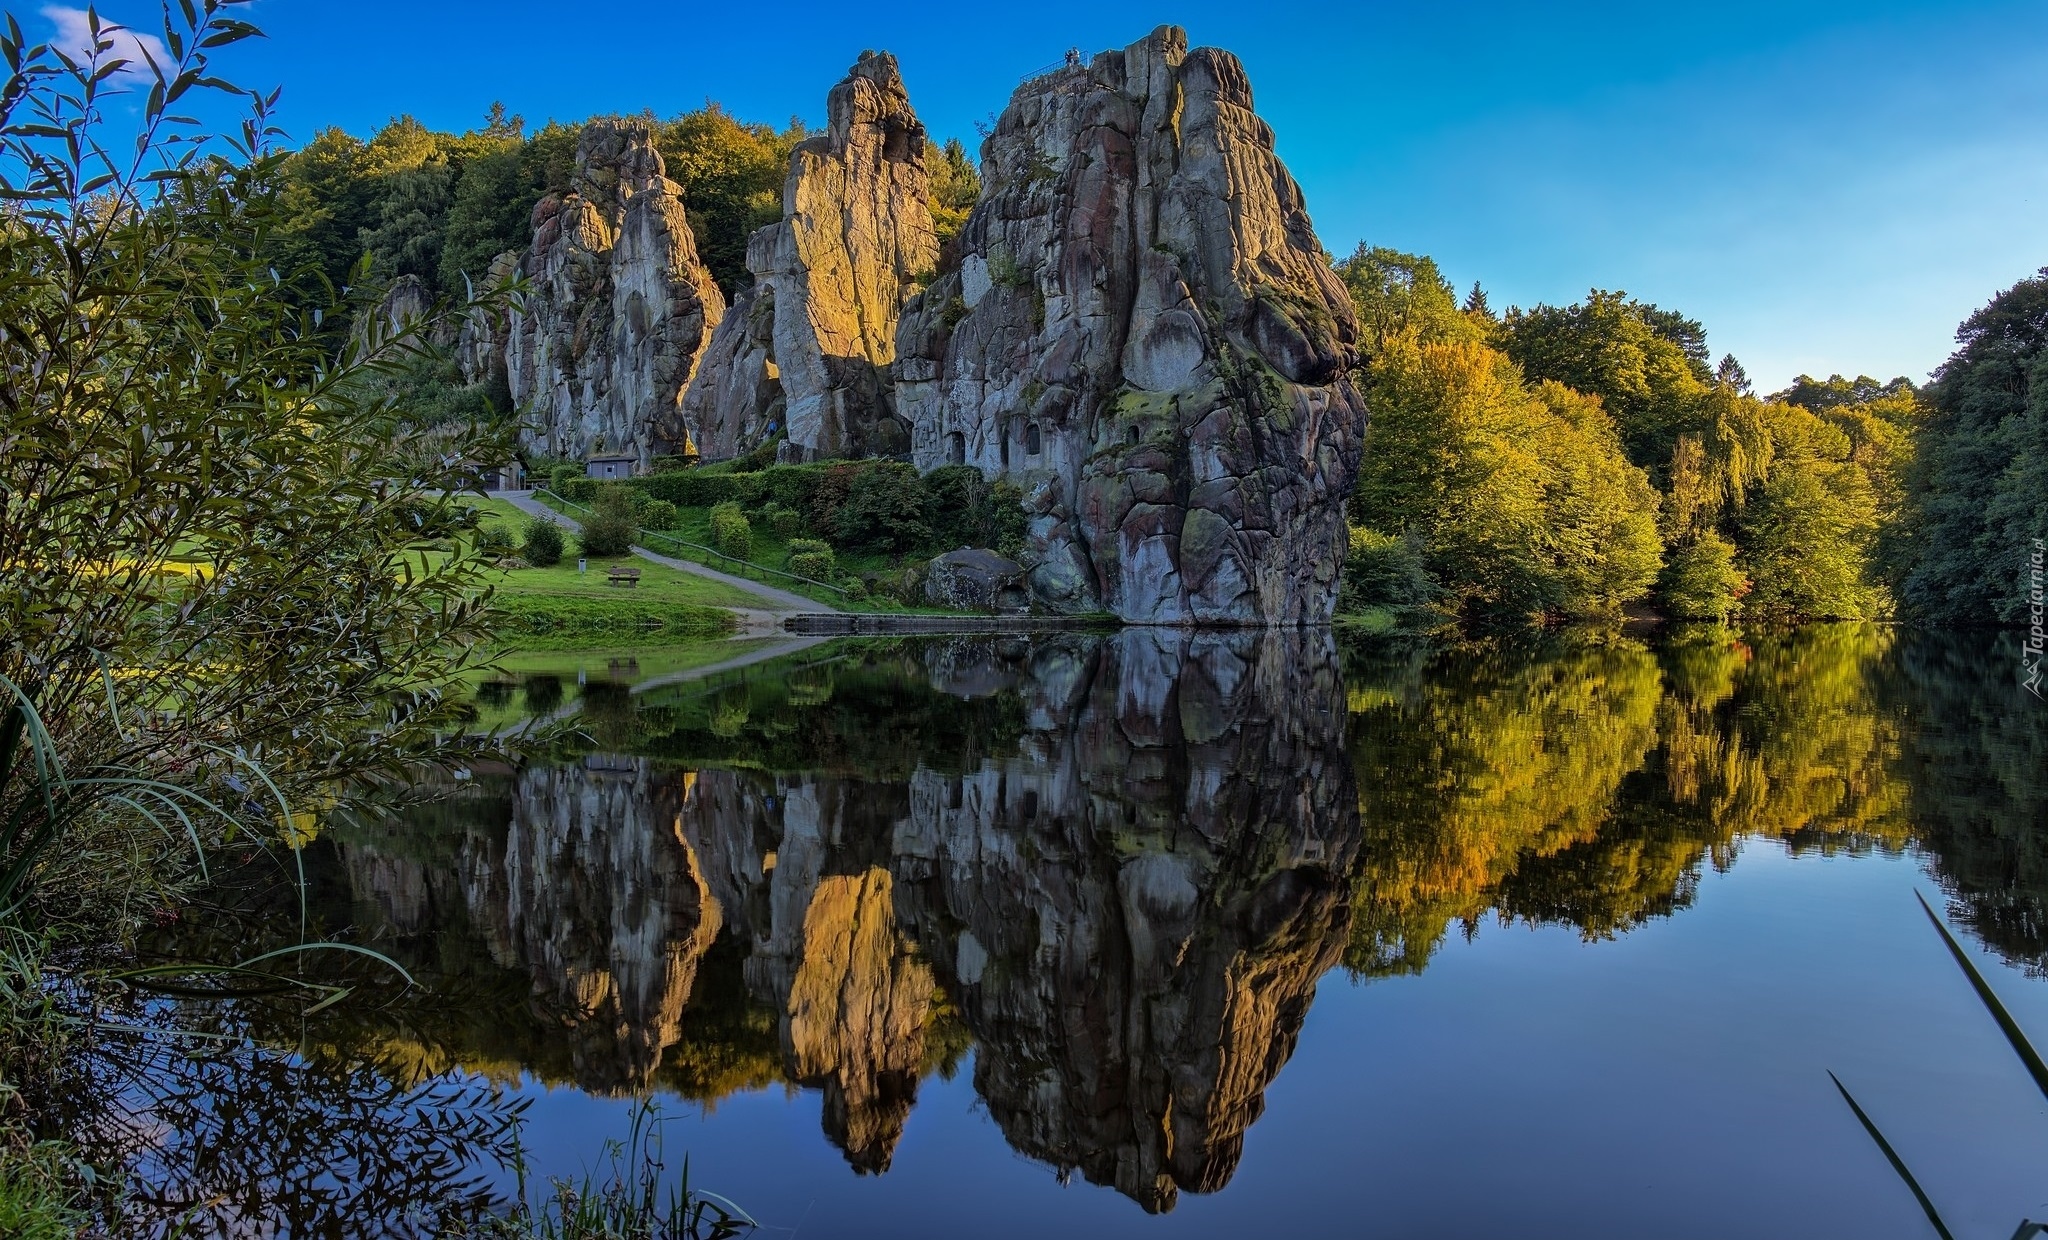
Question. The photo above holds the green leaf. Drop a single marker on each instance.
(2006, 1024)
(1892, 1156)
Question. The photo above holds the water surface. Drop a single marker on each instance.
(1168, 934)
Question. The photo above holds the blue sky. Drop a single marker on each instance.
(1828, 187)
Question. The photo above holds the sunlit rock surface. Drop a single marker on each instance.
(1141, 328)
(620, 309)
(808, 346)
(794, 861)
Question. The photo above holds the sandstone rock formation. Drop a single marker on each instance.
(620, 310)
(808, 347)
(1126, 896)
(972, 579)
(480, 347)
(799, 862)
(1143, 331)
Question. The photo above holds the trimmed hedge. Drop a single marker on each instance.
(792, 486)
(730, 532)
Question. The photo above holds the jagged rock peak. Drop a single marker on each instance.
(807, 350)
(621, 306)
(1144, 332)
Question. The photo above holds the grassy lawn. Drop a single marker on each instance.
(694, 525)
(558, 607)
(656, 582)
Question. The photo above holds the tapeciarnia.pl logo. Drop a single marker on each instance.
(2037, 639)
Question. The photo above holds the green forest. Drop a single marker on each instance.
(1588, 459)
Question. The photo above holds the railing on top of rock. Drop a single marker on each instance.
(1075, 59)
(745, 567)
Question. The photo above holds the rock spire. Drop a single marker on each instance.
(807, 348)
(620, 309)
(1143, 331)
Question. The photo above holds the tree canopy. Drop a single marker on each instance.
(1977, 494)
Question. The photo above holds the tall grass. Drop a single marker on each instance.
(626, 1202)
(2014, 1036)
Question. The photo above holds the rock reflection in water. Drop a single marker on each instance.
(1134, 909)
(1128, 908)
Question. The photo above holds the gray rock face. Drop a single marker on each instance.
(809, 349)
(598, 356)
(1144, 333)
(480, 347)
(973, 579)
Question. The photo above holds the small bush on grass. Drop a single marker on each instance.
(543, 547)
(657, 514)
(784, 523)
(610, 527)
(813, 558)
(493, 540)
(730, 532)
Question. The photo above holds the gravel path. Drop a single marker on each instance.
(775, 604)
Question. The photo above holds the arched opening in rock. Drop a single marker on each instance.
(956, 449)
(1034, 443)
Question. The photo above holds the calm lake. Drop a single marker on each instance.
(1155, 934)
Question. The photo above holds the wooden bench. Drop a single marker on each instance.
(622, 576)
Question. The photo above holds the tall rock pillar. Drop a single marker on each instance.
(807, 349)
(1144, 333)
(620, 310)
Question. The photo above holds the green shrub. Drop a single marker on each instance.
(689, 488)
(964, 509)
(543, 547)
(792, 486)
(578, 490)
(1701, 580)
(670, 464)
(784, 523)
(1004, 522)
(759, 459)
(493, 540)
(884, 511)
(561, 477)
(813, 558)
(657, 514)
(611, 525)
(1382, 570)
(730, 532)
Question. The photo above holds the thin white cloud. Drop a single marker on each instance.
(74, 37)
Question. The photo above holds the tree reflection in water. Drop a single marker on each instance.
(250, 1141)
(1118, 866)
